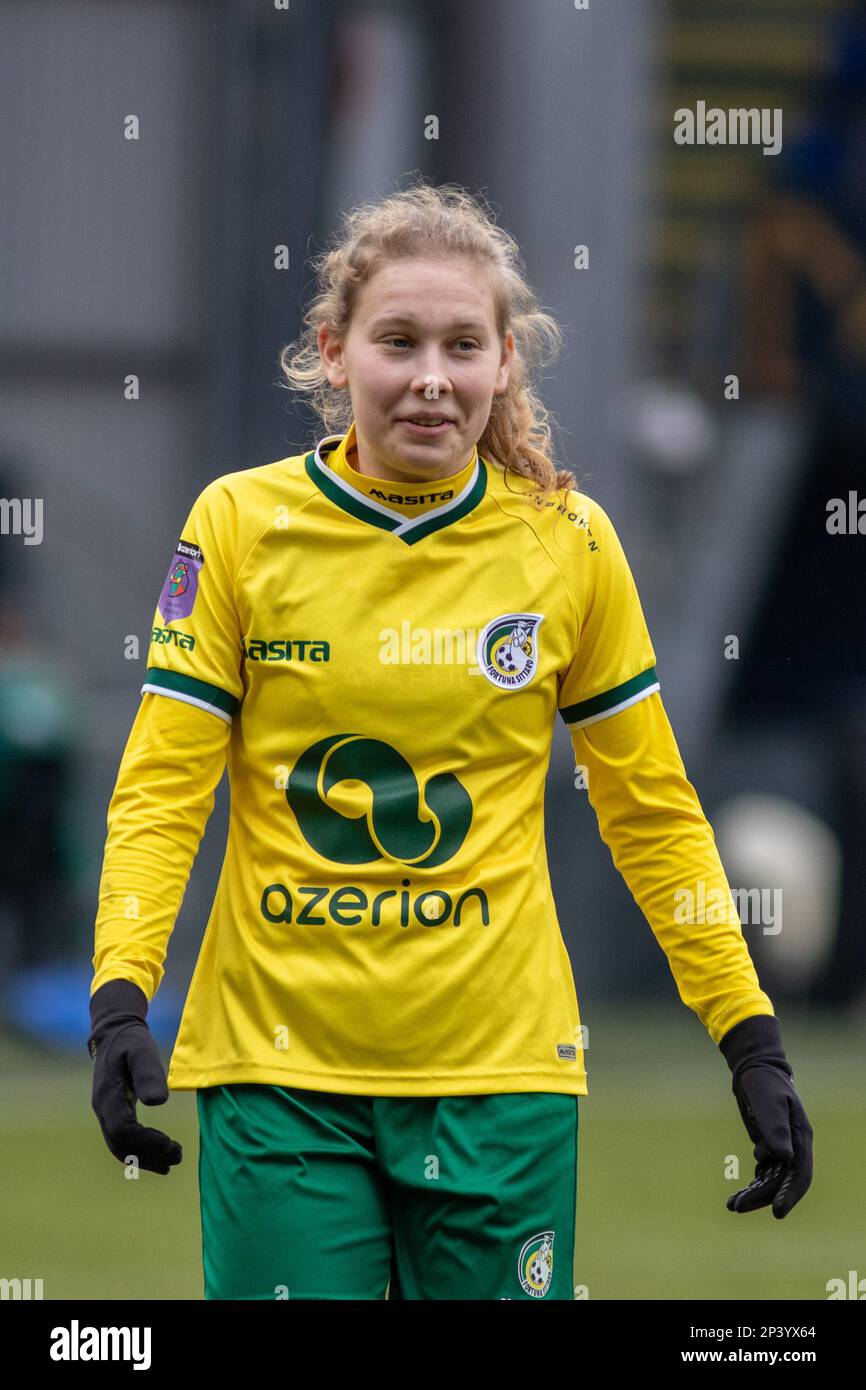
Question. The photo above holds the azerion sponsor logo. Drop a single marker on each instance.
(389, 828)
(348, 905)
(76, 1343)
(392, 827)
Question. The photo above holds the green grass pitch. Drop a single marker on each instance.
(651, 1221)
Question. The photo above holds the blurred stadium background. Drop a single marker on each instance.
(155, 257)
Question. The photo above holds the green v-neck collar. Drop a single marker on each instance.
(407, 528)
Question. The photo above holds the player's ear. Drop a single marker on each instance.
(331, 353)
(504, 370)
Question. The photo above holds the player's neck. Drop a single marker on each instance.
(388, 475)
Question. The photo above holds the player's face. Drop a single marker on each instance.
(423, 338)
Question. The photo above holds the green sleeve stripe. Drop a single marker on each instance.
(611, 701)
(192, 691)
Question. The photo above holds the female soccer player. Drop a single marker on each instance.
(378, 634)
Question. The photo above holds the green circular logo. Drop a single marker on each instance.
(419, 826)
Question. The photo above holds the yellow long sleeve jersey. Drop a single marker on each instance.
(381, 667)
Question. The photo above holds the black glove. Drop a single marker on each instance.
(772, 1113)
(127, 1067)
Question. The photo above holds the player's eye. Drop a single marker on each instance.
(401, 338)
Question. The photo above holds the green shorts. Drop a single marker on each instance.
(311, 1194)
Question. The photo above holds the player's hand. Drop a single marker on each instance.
(773, 1115)
(780, 1131)
(127, 1067)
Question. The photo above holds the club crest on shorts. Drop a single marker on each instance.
(508, 649)
(535, 1264)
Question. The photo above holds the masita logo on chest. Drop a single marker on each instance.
(286, 649)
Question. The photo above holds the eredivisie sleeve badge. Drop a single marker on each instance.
(508, 649)
(181, 583)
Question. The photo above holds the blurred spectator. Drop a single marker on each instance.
(37, 739)
(806, 340)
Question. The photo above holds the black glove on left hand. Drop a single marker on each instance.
(772, 1113)
(127, 1067)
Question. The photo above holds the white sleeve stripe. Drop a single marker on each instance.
(615, 709)
(187, 700)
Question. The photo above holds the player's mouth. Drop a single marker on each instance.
(426, 425)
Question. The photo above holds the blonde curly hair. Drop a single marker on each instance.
(436, 220)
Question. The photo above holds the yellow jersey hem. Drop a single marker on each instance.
(379, 1084)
